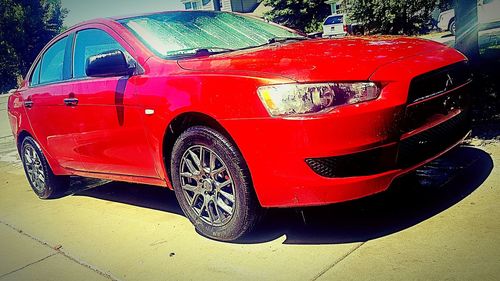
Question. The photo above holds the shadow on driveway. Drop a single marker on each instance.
(410, 200)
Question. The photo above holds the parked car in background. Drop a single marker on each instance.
(334, 25)
(446, 21)
(235, 114)
(488, 15)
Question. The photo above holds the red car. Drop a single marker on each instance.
(235, 114)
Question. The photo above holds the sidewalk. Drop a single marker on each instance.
(26, 258)
(4, 124)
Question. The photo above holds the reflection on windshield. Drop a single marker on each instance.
(166, 34)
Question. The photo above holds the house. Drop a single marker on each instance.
(339, 6)
(240, 6)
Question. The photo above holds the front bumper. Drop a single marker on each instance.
(290, 181)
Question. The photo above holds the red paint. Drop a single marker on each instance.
(110, 137)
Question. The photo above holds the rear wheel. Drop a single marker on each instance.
(452, 27)
(213, 185)
(41, 178)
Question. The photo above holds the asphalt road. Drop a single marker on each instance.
(439, 224)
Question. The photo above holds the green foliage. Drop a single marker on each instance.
(25, 27)
(392, 16)
(446, 5)
(304, 15)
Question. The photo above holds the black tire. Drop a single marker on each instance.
(52, 186)
(246, 210)
(452, 27)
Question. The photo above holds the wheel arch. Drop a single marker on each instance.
(54, 166)
(20, 138)
(452, 19)
(181, 123)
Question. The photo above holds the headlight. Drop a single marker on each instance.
(297, 99)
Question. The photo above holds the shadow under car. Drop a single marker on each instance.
(411, 199)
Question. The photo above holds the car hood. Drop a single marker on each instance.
(354, 58)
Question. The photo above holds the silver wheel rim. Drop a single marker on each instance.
(207, 185)
(34, 167)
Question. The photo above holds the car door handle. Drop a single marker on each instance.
(28, 103)
(71, 101)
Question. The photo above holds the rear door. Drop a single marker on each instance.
(50, 118)
(111, 136)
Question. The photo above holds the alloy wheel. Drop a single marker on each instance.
(207, 185)
(34, 167)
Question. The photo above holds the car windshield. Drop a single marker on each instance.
(175, 33)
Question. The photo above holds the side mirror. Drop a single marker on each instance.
(108, 64)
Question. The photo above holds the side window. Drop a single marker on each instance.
(35, 76)
(90, 42)
(52, 62)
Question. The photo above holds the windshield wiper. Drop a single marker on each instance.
(273, 40)
(284, 39)
(197, 52)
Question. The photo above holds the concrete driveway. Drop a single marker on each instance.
(442, 223)
(487, 39)
(444, 37)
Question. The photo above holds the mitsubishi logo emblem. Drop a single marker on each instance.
(449, 82)
(448, 105)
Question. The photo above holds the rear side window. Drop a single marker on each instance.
(90, 42)
(52, 62)
(334, 20)
(35, 76)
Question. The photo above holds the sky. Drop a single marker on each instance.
(80, 10)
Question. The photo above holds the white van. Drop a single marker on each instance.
(488, 16)
(334, 25)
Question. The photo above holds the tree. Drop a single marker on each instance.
(25, 27)
(304, 15)
(10, 28)
(446, 4)
(392, 16)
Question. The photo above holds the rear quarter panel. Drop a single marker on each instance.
(16, 114)
(20, 123)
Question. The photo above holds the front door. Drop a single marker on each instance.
(112, 138)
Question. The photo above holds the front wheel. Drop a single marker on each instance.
(41, 178)
(213, 185)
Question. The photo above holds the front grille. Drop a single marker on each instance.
(420, 114)
(438, 81)
(408, 152)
